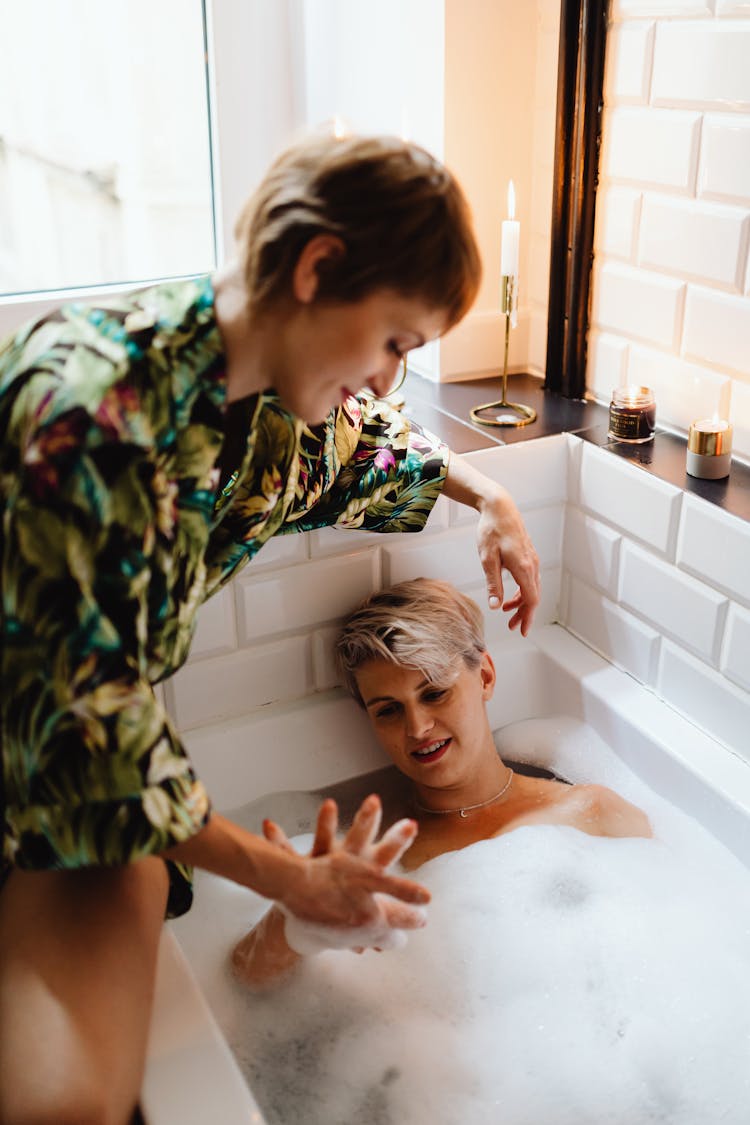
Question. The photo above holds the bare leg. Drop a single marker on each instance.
(77, 966)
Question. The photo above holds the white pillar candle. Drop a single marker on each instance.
(510, 238)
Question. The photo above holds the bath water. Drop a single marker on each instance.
(562, 979)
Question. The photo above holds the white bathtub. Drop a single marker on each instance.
(191, 1075)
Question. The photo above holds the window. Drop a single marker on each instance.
(105, 173)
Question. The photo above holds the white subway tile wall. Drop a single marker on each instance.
(702, 64)
(717, 328)
(672, 259)
(658, 582)
(628, 9)
(611, 630)
(682, 388)
(646, 306)
(715, 548)
(617, 216)
(705, 696)
(631, 48)
(724, 171)
(650, 146)
(647, 508)
(655, 580)
(735, 661)
(591, 551)
(225, 687)
(680, 607)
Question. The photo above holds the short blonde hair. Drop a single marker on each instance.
(422, 624)
(401, 215)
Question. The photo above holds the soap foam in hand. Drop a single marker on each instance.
(309, 938)
(395, 918)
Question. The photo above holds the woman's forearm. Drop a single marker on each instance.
(466, 485)
(335, 889)
(225, 849)
(264, 956)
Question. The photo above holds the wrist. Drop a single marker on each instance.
(493, 498)
(466, 485)
(278, 874)
(225, 849)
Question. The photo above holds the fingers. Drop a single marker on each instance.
(325, 828)
(399, 916)
(276, 835)
(524, 614)
(398, 887)
(395, 842)
(365, 826)
(494, 578)
(524, 618)
(526, 598)
(514, 602)
(504, 543)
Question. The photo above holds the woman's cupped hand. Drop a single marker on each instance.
(346, 896)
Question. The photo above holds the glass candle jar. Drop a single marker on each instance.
(632, 414)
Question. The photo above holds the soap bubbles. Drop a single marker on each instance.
(561, 979)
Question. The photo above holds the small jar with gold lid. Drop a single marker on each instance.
(709, 451)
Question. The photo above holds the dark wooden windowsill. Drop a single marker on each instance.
(444, 409)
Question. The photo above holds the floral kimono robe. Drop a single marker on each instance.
(115, 530)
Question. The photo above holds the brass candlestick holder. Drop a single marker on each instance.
(506, 413)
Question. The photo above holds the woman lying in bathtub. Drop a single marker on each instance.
(414, 658)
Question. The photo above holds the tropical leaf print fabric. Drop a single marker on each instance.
(114, 531)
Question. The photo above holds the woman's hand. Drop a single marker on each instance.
(370, 916)
(502, 541)
(275, 945)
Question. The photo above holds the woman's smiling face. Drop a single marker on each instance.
(334, 350)
(435, 734)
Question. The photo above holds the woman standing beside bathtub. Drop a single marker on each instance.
(151, 446)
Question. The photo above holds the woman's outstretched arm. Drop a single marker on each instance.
(333, 888)
(267, 954)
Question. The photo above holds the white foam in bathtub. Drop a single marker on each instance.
(561, 978)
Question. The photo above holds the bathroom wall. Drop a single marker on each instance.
(671, 295)
(654, 579)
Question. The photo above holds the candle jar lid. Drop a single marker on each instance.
(634, 397)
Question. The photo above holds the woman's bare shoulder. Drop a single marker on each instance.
(600, 811)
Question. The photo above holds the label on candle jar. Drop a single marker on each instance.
(630, 424)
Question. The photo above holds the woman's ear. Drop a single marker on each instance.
(305, 279)
(488, 676)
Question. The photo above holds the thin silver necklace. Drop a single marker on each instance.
(464, 809)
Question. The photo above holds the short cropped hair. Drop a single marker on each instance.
(422, 624)
(400, 213)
